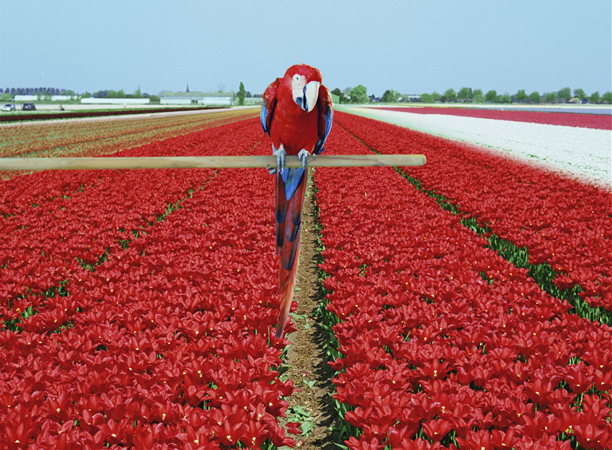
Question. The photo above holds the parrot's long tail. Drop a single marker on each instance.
(290, 193)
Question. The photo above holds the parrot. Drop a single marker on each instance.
(297, 114)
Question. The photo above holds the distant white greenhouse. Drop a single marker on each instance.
(33, 98)
(26, 98)
(115, 101)
(197, 98)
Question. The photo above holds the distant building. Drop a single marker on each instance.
(33, 98)
(26, 98)
(115, 101)
(197, 98)
(412, 97)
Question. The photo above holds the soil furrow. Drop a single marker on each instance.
(305, 357)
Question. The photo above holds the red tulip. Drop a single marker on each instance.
(436, 429)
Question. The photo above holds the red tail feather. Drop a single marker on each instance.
(287, 278)
(288, 225)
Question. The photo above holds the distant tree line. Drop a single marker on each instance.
(45, 91)
(119, 94)
(358, 94)
(467, 95)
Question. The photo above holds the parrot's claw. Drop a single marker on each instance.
(280, 159)
(303, 156)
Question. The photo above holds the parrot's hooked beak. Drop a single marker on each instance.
(308, 96)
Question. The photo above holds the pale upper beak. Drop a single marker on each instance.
(307, 97)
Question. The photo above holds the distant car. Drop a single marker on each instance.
(28, 107)
(9, 107)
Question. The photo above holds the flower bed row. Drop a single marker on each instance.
(443, 342)
(172, 346)
(598, 121)
(91, 138)
(41, 115)
(561, 221)
(42, 246)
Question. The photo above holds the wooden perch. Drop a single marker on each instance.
(209, 162)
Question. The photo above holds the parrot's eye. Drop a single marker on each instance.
(296, 77)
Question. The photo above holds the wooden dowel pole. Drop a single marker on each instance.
(210, 162)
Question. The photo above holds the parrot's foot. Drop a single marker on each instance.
(280, 160)
(303, 156)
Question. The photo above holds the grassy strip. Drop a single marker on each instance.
(543, 274)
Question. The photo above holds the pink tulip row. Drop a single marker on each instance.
(597, 121)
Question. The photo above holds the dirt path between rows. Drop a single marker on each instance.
(307, 362)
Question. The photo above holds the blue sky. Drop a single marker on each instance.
(409, 46)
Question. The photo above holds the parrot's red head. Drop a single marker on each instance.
(304, 82)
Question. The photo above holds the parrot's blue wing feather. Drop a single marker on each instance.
(266, 118)
(329, 118)
(268, 106)
(291, 178)
(263, 117)
(281, 207)
(289, 182)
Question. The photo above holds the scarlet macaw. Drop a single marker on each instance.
(297, 114)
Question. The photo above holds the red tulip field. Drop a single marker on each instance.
(465, 304)
(442, 341)
(560, 221)
(100, 136)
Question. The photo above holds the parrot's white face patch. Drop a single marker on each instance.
(305, 95)
(298, 82)
(297, 88)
